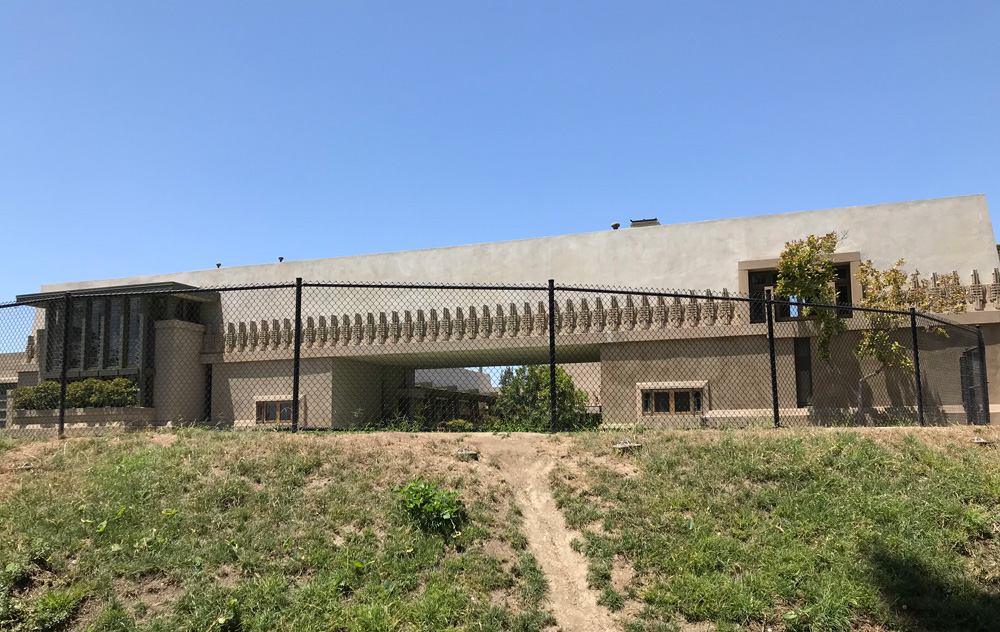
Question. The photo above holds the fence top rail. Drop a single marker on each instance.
(427, 286)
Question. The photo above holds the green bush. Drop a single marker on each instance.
(523, 403)
(431, 507)
(90, 393)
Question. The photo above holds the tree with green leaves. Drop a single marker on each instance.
(806, 274)
(523, 401)
(805, 271)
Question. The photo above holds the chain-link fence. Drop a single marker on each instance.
(335, 356)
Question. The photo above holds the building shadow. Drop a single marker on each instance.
(924, 599)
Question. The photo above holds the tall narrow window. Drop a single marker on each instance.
(77, 313)
(94, 325)
(115, 315)
(132, 348)
(803, 372)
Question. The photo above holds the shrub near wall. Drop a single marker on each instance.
(90, 393)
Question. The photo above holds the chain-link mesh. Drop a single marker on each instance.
(473, 357)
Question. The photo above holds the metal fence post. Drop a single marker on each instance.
(774, 365)
(64, 361)
(553, 420)
(916, 366)
(983, 381)
(298, 352)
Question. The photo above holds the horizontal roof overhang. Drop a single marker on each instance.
(166, 287)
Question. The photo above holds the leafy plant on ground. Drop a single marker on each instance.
(434, 509)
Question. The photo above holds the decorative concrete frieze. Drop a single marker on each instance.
(408, 331)
(708, 309)
(645, 317)
(512, 322)
(275, 333)
(370, 328)
(420, 332)
(597, 317)
(725, 308)
(628, 314)
(265, 334)
(382, 333)
(446, 325)
(310, 332)
(242, 338)
(485, 324)
(286, 333)
(472, 324)
(676, 313)
(346, 331)
(526, 321)
(358, 331)
(542, 319)
(29, 349)
(321, 333)
(568, 318)
(395, 329)
(994, 289)
(230, 337)
(584, 319)
(433, 326)
(613, 319)
(334, 333)
(977, 292)
(499, 322)
(691, 311)
(660, 313)
(458, 330)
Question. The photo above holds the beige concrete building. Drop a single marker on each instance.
(373, 352)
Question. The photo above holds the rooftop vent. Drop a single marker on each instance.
(639, 223)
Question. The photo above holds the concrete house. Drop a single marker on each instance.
(370, 352)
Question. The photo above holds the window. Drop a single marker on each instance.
(671, 401)
(4, 389)
(274, 411)
(803, 372)
(762, 280)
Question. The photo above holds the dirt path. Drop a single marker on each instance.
(526, 464)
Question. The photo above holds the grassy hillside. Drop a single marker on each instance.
(809, 530)
(224, 532)
(780, 530)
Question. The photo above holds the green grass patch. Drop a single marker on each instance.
(799, 531)
(245, 532)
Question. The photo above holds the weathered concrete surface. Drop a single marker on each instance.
(938, 235)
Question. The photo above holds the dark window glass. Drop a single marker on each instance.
(77, 312)
(115, 315)
(271, 413)
(53, 338)
(803, 372)
(646, 402)
(94, 325)
(286, 411)
(4, 389)
(682, 402)
(132, 347)
(696, 400)
(661, 402)
(843, 288)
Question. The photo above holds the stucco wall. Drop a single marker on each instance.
(179, 378)
(932, 235)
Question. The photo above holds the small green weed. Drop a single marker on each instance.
(434, 509)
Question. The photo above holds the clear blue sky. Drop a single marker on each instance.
(153, 137)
